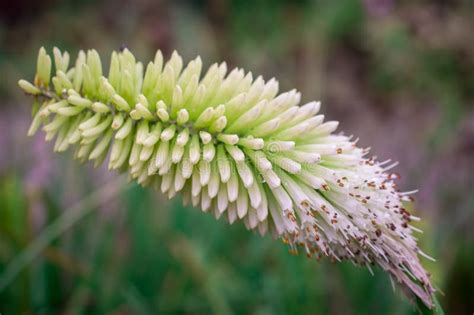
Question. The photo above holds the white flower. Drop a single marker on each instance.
(236, 148)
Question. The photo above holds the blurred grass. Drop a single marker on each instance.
(399, 74)
(179, 260)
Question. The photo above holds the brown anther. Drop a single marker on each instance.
(394, 176)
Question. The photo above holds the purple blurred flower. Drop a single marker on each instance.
(40, 168)
(378, 7)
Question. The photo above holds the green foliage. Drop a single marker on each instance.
(153, 259)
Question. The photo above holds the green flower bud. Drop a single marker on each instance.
(29, 88)
(120, 103)
(43, 68)
(79, 101)
(61, 61)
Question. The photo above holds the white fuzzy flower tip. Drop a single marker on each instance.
(234, 147)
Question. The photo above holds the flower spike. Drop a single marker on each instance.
(232, 146)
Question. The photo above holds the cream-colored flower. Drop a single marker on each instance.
(236, 148)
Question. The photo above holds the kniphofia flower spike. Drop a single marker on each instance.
(234, 147)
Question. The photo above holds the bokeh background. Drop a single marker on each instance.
(397, 74)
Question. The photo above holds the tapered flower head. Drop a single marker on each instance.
(232, 146)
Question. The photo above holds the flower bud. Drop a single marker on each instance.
(29, 88)
(43, 68)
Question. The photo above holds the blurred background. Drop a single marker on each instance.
(397, 74)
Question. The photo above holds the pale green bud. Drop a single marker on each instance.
(116, 150)
(55, 123)
(177, 102)
(64, 80)
(58, 87)
(100, 107)
(79, 101)
(72, 92)
(35, 125)
(143, 111)
(206, 137)
(107, 87)
(120, 103)
(135, 115)
(117, 121)
(94, 63)
(90, 122)
(61, 61)
(78, 75)
(153, 136)
(183, 137)
(219, 124)
(27, 87)
(125, 130)
(168, 133)
(142, 131)
(163, 114)
(89, 81)
(252, 143)
(205, 118)
(43, 67)
(101, 146)
(98, 129)
(208, 152)
(70, 110)
(150, 79)
(228, 138)
(183, 117)
(54, 106)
